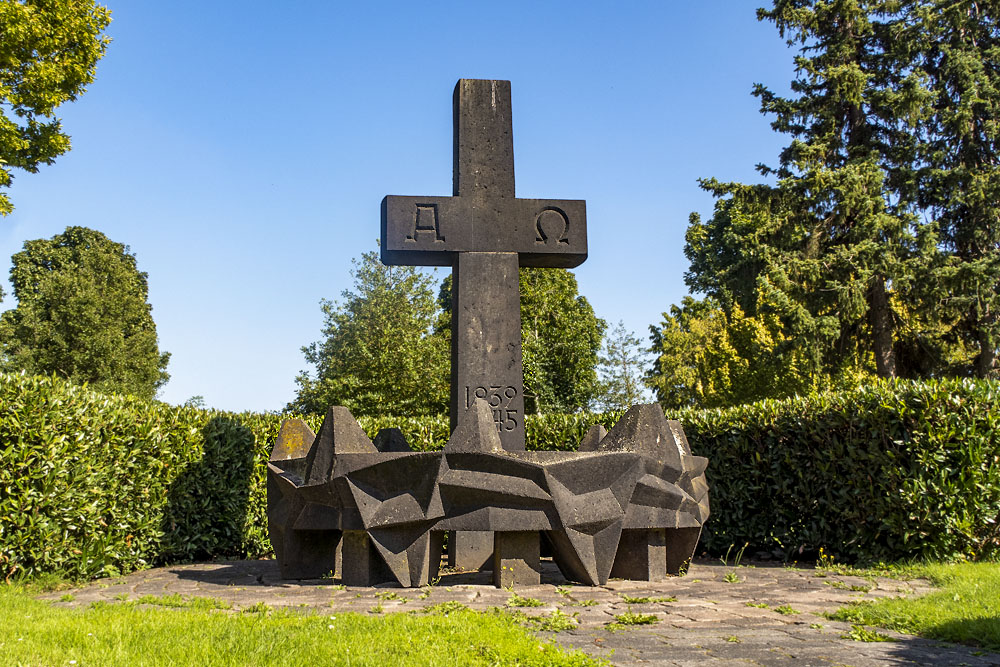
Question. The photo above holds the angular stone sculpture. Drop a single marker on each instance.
(629, 503)
(620, 510)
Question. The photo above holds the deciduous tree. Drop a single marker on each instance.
(379, 354)
(48, 55)
(83, 314)
(560, 340)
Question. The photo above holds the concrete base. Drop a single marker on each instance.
(309, 554)
(642, 555)
(515, 559)
(363, 566)
(470, 550)
(681, 544)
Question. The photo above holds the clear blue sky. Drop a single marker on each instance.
(242, 150)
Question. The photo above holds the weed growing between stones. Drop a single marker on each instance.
(643, 600)
(630, 618)
(860, 633)
(520, 601)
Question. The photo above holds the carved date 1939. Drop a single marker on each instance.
(499, 399)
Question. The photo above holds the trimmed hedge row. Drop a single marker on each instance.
(94, 485)
(896, 470)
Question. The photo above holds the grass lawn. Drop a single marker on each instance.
(966, 610)
(38, 633)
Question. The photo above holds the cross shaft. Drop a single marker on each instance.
(485, 234)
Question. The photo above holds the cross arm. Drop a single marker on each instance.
(428, 231)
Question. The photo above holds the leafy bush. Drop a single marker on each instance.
(94, 484)
(894, 470)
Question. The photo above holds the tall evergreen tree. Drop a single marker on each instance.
(955, 48)
(620, 370)
(82, 313)
(876, 249)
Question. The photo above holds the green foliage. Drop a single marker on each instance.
(38, 633)
(82, 314)
(560, 340)
(877, 252)
(94, 484)
(954, 50)
(378, 353)
(48, 55)
(620, 371)
(890, 471)
(964, 610)
(709, 356)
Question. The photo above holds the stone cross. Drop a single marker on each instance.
(484, 233)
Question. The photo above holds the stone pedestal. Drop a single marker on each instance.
(309, 554)
(681, 543)
(641, 556)
(470, 550)
(515, 559)
(363, 566)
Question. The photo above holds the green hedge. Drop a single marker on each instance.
(895, 470)
(93, 485)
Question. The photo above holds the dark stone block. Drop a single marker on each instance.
(592, 438)
(642, 555)
(362, 564)
(486, 342)
(681, 545)
(391, 440)
(632, 500)
(309, 554)
(470, 549)
(339, 434)
(515, 559)
(294, 441)
(644, 429)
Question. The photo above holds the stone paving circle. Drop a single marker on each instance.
(716, 615)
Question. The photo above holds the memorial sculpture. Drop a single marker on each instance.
(628, 503)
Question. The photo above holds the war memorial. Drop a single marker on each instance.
(627, 503)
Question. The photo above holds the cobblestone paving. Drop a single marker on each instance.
(704, 618)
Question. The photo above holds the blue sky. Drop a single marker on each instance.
(242, 149)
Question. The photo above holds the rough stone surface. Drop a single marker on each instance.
(702, 619)
(621, 506)
(516, 559)
(485, 234)
(379, 508)
(470, 549)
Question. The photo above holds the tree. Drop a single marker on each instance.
(83, 314)
(560, 340)
(379, 354)
(620, 370)
(48, 55)
(954, 47)
(877, 248)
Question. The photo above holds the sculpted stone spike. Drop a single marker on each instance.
(339, 434)
(293, 441)
(476, 432)
(592, 438)
(645, 430)
(391, 440)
